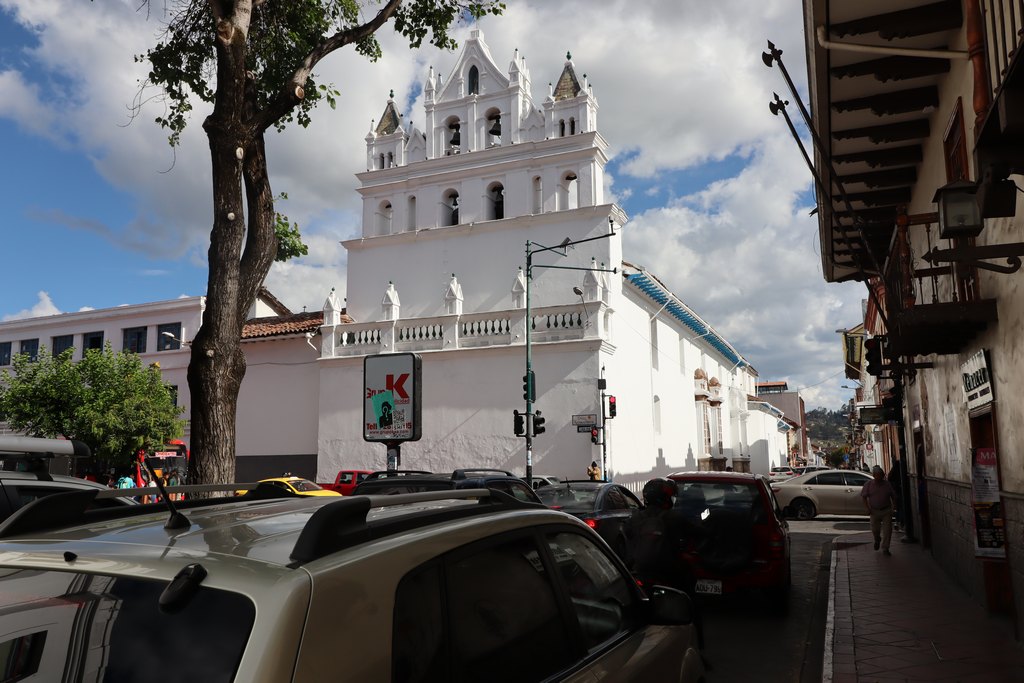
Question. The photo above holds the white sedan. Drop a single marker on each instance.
(826, 492)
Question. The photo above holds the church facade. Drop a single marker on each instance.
(449, 213)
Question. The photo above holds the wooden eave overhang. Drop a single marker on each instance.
(872, 114)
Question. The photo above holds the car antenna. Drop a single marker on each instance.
(177, 520)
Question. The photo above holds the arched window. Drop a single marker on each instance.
(561, 128)
(657, 415)
(450, 208)
(493, 128)
(474, 80)
(572, 126)
(391, 159)
(568, 192)
(538, 195)
(411, 218)
(450, 137)
(654, 343)
(495, 202)
(384, 218)
(382, 162)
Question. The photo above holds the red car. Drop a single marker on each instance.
(743, 540)
(347, 481)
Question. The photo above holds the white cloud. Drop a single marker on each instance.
(44, 307)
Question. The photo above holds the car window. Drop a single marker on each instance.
(23, 494)
(828, 479)
(362, 476)
(418, 639)
(568, 497)
(613, 499)
(504, 617)
(856, 478)
(599, 594)
(107, 628)
(345, 478)
(304, 485)
(631, 502)
(521, 492)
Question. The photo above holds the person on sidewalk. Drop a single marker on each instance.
(879, 496)
(594, 472)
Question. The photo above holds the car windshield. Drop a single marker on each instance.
(568, 497)
(302, 485)
(57, 619)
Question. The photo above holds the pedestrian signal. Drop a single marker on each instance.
(519, 423)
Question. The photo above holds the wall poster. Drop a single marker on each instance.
(989, 526)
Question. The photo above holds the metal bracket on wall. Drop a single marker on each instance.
(972, 256)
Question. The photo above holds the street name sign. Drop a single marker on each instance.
(584, 420)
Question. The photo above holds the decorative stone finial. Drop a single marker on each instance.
(391, 95)
(568, 56)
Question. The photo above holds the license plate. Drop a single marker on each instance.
(708, 586)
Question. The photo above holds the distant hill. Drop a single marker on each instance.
(827, 426)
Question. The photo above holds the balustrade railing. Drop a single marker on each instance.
(1003, 22)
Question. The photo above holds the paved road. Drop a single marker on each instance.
(746, 640)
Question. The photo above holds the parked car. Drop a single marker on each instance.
(461, 585)
(297, 486)
(826, 492)
(781, 473)
(741, 539)
(543, 480)
(31, 480)
(416, 481)
(603, 506)
(346, 481)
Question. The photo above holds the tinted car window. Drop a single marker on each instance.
(503, 615)
(599, 594)
(614, 500)
(111, 629)
(417, 643)
(345, 478)
(568, 497)
(855, 479)
(828, 479)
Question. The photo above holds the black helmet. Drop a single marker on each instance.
(659, 493)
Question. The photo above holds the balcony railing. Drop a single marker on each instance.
(931, 309)
(1003, 22)
(468, 330)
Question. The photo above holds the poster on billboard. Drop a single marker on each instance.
(392, 409)
(989, 525)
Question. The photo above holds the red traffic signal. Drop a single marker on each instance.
(593, 435)
(611, 407)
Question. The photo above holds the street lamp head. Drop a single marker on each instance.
(577, 291)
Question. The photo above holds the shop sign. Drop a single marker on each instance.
(989, 525)
(976, 379)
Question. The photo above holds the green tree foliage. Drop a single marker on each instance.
(107, 400)
(253, 61)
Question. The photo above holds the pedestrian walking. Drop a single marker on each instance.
(594, 472)
(879, 496)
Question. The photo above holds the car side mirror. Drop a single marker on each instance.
(669, 607)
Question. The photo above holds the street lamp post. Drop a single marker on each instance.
(533, 248)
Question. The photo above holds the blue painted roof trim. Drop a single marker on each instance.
(659, 295)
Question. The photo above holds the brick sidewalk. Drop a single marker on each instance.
(900, 618)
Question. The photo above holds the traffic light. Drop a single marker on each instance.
(538, 424)
(529, 386)
(611, 406)
(593, 435)
(873, 355)
(519, 423)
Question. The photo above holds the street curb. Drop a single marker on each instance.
(826, 657)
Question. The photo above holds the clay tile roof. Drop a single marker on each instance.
(389, 120)
(280, 325)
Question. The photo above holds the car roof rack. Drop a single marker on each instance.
(386, 474)
(71, 508)
(342, 524)
(464, 473)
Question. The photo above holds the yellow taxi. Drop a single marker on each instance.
(297, 485)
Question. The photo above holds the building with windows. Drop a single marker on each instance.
(918, 149)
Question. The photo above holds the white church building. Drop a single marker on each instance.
(449, 212)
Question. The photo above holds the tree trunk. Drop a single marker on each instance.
(217, 364)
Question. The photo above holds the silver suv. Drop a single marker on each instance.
(30, 479)
(461, 585)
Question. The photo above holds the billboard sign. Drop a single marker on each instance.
(392, 409)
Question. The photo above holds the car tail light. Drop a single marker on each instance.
(776, 544)
(592, 523)
(556, 507)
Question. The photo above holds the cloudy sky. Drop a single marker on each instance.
(99, 211)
